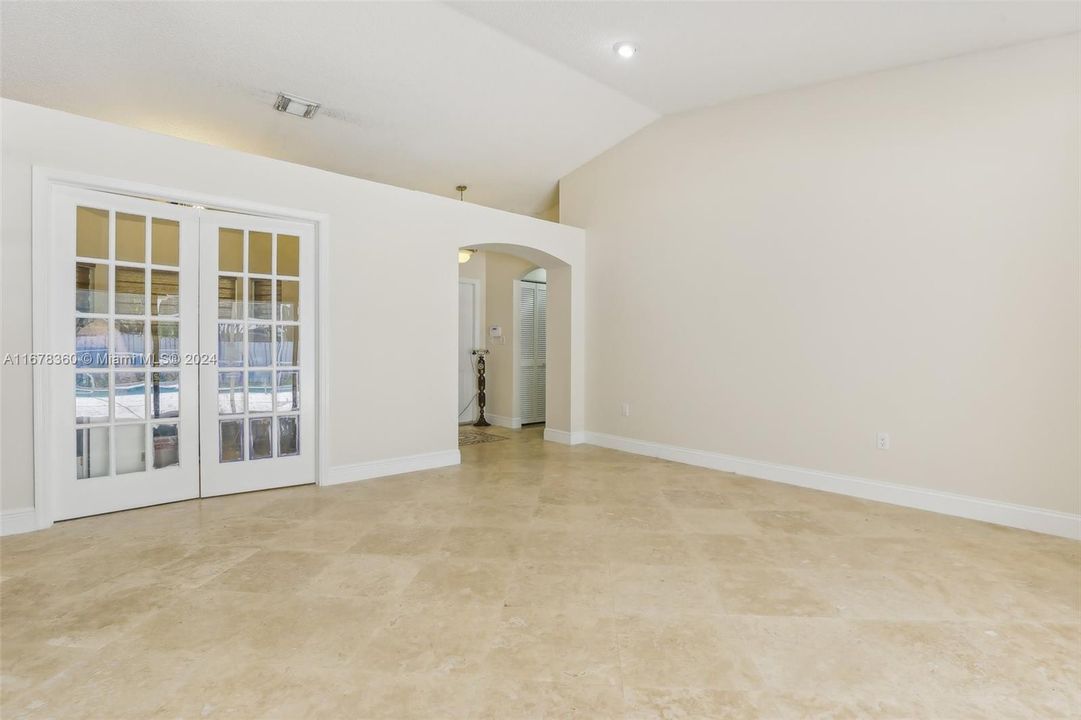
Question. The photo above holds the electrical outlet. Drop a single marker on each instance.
(625, 409)
(882, 441)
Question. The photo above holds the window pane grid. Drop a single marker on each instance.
(254, 419)
(125, 413)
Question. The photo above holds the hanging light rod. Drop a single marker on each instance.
(463, 255)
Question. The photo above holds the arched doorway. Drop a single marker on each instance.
(505, 270)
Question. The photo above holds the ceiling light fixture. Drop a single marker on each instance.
(624, 49)
(293, 105)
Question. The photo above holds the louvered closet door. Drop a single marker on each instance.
(532, 350)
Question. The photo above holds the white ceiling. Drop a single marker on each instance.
(506, 97)
(414, 94)
(695, 54)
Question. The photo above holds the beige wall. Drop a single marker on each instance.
(392, 388)
(779, 278)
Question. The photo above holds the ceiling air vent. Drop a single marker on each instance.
(294, 105)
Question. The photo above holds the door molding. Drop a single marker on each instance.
(44, 181)
(478, 330)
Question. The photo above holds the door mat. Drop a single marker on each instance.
(476, 437)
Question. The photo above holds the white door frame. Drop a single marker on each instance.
(478, 330)
(44, 180)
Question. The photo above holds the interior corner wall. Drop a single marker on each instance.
(392, 346)
(781, 277)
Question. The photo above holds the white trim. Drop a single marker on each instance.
(322, 349)
(43, 181)
(1050, 522)
(504, 421)
(23, 520)
(478, 338)
(40, 308)
(565, 438)
(392, 466)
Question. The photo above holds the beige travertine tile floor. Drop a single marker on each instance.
(539, 581)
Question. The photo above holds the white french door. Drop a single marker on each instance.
(532, 350)
(181, 361)
(257, 399)
(124, 403)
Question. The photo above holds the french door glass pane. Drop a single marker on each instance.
(91, 342)
(165, 242)
(92, 233)
(231, 250)
(259, 300)
(91, 397)
(164, 395)
(260, 391)
(288, 300)
(231, 440)
(231, 344)
(230, 297)
(288, 345)
(261, 446)
(130, 238)
(130, 396)
(289, 435)
(91, 452)
(130, 291)
(164, 292)
(91, 287)
(288, 394)
(166, 339)
(130, 342)
(130, 448)
(259, 253)
(230, 393)
(166, 446)
(288, 255)
(259, 346)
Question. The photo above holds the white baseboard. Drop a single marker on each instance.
(23, 520)
(392, 466)
(564, 437)
(504, 421)
(1050, 522)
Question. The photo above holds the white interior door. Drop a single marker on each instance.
(122, 384)
(532, 350)
(467, 342)
(257, 409)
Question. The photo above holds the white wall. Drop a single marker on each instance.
(778, 278)
(393, 271)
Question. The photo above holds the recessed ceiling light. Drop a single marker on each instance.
(294, 105)
(624, 49)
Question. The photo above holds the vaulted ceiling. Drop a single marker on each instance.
(505, 97)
